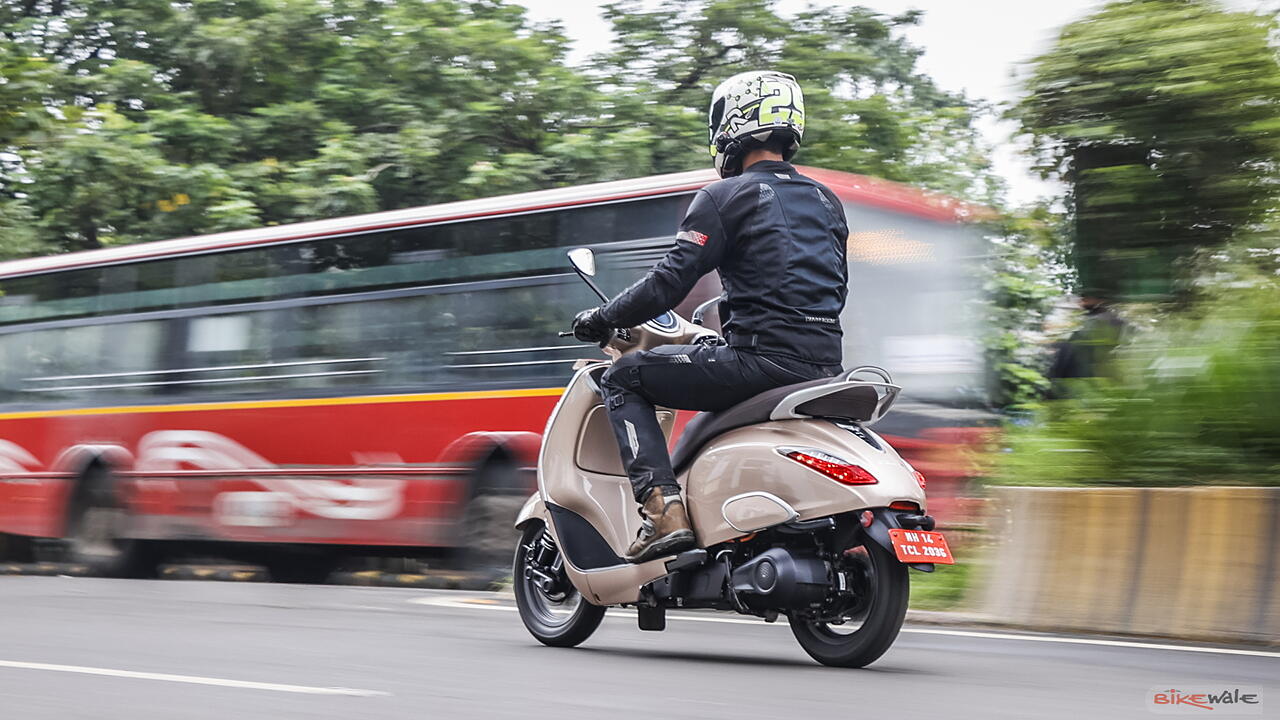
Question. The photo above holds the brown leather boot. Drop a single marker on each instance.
(665, 529)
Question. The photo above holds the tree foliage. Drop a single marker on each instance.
(1025, 276)
(1197, 401)
(1164, 117)
(869, 108)
(128, 121)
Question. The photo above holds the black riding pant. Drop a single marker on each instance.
(685, 377)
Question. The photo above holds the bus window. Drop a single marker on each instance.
(508, 335)
(226, 353)
(514, 246)
(120, 360)
(324, 346)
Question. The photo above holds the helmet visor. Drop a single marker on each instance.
(714, 118)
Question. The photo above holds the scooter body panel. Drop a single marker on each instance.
(749, 493)
(739, 483)
(603, 499)
(750, 461)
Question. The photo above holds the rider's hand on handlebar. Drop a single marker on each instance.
(589, 326)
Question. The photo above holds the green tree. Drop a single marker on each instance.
(1025, 275)
(1164, 118)
(138, 120)
(1197, 402)
(869, 109)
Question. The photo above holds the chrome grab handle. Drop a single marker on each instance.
(872, 369)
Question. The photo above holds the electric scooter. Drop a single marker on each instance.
(797, 506)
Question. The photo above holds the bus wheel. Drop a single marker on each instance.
(301, 568)
(95, 525)
(488, 535)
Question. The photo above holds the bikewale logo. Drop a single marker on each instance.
(1198, 700)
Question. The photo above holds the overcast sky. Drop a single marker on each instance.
(970, 45)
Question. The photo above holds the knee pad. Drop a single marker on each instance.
(623, 375)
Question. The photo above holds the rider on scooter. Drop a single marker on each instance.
(778, 240)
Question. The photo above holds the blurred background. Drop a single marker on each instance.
(1064, 245)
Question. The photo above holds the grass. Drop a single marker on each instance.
(942, 589)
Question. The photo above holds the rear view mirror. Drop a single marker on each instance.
(584, 261)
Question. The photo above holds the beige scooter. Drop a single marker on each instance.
(798, 509)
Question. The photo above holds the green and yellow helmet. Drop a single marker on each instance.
(747, 110)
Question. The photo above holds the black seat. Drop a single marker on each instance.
(854, 403)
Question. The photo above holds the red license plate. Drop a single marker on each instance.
(921, 546)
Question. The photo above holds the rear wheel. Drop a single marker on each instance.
(550, 606)
(871, 623)
(96, 526)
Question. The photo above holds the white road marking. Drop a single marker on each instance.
(190, 679)
(464, 604)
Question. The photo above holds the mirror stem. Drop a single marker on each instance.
(591, 284)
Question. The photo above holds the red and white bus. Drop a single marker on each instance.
(372, 381)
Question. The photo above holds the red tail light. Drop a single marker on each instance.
(833, 467)
(904, 505)
(920, 478)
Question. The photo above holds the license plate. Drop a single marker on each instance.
(921, 546)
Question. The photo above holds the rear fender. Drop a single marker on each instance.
(883, 520)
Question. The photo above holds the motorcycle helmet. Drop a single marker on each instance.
(749, 110)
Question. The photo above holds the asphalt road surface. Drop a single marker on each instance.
(118, 649)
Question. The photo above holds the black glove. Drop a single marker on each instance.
(589, 326)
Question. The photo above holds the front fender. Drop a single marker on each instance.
(534, 509)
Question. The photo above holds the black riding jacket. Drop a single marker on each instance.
(778, 240)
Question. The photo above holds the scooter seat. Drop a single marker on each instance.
(706, 426)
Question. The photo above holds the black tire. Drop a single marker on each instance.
(888, 592)
(488, 535)
(559, 619)
(301, 569)
(488, 532)
(96, 523)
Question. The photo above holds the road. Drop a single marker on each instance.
(117, 649)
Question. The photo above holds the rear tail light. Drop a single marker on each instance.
(920, 478)
(833, 467)
(904, 505)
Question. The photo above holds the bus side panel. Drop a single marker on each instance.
(32, 492)
(344, 470)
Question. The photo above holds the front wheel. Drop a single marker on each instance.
(860, 636)
(550, 606)
(96, 531)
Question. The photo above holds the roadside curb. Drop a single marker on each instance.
(431, 581)
(484, 581)
(47, 569)
(948, 617)
(981, 621)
